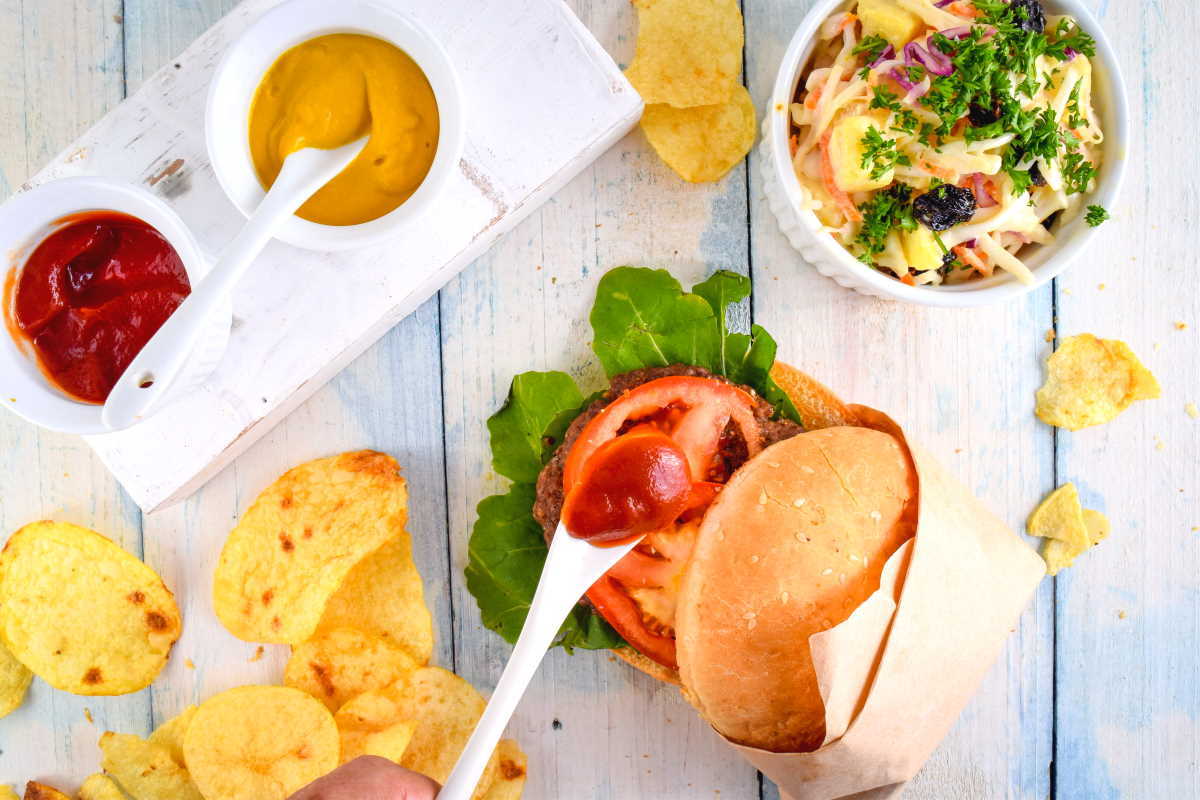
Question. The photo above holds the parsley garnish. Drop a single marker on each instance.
(873, 46)
(1078, 172)
(889, 209)
(880, 154)
(1097, 215)
(886, 99)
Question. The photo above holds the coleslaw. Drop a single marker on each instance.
(936, 140)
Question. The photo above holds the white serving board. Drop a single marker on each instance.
(542, 99)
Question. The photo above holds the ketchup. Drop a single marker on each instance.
(92, 294)
(632, 485)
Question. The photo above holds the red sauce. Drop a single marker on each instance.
(632, 485)
(91, 295)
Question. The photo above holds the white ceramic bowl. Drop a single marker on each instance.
(829, 258)
(30, 217)
(227, 118)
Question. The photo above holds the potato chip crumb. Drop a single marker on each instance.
(1089, 381)
(258, 654)
(1192, 411)
(1051, 335)
(1101, 287)
(87, 714)
(1180, 326)
(1121, 615)
(1159, 444)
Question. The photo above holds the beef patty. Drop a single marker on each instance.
(548, 507)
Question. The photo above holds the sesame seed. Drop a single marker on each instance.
(841, 577)
(784, 597)
(762, 497)
(875, 515)
(827, 571)
(799, 502)
(753, 559)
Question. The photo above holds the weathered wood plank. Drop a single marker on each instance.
(1127, 670)
(60, 67)
(592, 726)
(960, 381)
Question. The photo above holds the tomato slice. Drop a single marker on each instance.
(694, 413)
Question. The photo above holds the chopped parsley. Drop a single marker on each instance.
(889, 209)
(1078, 172)
(1097, 216)
(1075, 118)
(886, 99)
(873, 46)
(880, 154)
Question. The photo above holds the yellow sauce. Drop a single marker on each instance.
(331, 90)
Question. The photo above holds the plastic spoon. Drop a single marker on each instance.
(572, 566)
(149, 376)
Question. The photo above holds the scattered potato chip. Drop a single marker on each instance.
(383, 595)
(510, 775)
(40, 791)
(1090, 381)
(295, 545)
(689, 52)
(335, 666)
(259, 743)
(373, 724)
(170, 734)
(8, 793)
(446, 709)
(144, 770)
(702, 143)
(49, 573)
(100, 787)
(1068, 528)
(14, 681)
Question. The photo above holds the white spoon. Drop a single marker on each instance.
(149, 376)
(571, 568)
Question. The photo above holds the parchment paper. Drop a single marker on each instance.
(897, 673)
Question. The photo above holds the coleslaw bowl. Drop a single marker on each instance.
(804, 231)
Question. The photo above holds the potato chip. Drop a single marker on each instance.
(702, 143)
(50, 572)
(170, 734)
(510, 774)
(144, 770)
(373, 724)
(1090, 381)
(1068, 528)
(295, 545)
(15, 678)
(8, 793)
(383, 595)
(100, 787)
(689, 52)
(40, 791)
(335, 666)
(259, 743)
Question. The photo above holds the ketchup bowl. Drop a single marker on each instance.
(25, 223)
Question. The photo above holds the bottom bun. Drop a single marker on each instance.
(794, 544)
(647, 665)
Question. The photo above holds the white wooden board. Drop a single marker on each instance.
(537, 113)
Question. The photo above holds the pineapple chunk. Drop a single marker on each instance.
(845, 156)
(921, 250)
(893, 23)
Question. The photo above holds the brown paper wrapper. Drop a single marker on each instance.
(897, 673)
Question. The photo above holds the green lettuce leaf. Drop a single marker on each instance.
(504, 561)
(641, 318)
(536, 400)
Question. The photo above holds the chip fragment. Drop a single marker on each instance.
(8, 793)
(40, 791)
(689, 52)
(373, 724)
(335, 666)
(1089, 381)
(702, 143)
(170, 734)
(383, 595)
(510, 772)
(1068, 528)
(100, 787)
(146, 771)
(15, 678)
(259, 743)
(49, 571)
(295, 545)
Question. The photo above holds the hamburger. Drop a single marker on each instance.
(796, 505)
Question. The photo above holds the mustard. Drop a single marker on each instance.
(331, 90)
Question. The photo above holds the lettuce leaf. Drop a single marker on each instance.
(641, 318)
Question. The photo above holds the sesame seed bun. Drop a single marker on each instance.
(794, 543)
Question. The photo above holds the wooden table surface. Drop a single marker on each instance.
(1095, 695)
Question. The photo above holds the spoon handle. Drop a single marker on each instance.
(572, 566)
(154, 369)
